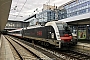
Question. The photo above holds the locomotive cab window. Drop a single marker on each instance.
(63, 29)
(60, 26)
(67, 28)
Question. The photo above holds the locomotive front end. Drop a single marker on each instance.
(66, 37)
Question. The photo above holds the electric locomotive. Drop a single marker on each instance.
(56, 33)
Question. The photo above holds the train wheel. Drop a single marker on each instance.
(47, 44)
(33, 42)
(75, 43)
(42, 43)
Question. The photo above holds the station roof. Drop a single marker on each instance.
(4, 12)
(62, 6)
(79, 19)
(30, 17)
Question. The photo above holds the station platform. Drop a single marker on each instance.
(0, 42)
(84, 44)
(83, 47)
(5, 51)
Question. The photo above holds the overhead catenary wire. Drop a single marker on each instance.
(17, 2)
(16, 5)
(21, 9)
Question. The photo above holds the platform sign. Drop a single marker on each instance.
(81, 34)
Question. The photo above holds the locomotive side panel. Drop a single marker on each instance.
(36, 32)
(41, 32)
(51, 33)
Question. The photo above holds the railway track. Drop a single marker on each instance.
(20, 52)
(43, 57)
(78, 55)
(58, 54)
(23, 52)
(67, 55)
(83, 49)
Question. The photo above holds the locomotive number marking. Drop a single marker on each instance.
(39, 33)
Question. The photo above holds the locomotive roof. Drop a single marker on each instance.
(36, 26)
(52, 22)
(33, 27)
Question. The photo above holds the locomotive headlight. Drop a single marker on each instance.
(50, 32)
(58, 36)
(70, 34)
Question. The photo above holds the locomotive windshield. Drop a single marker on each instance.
(60, 26)
(63, 28)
